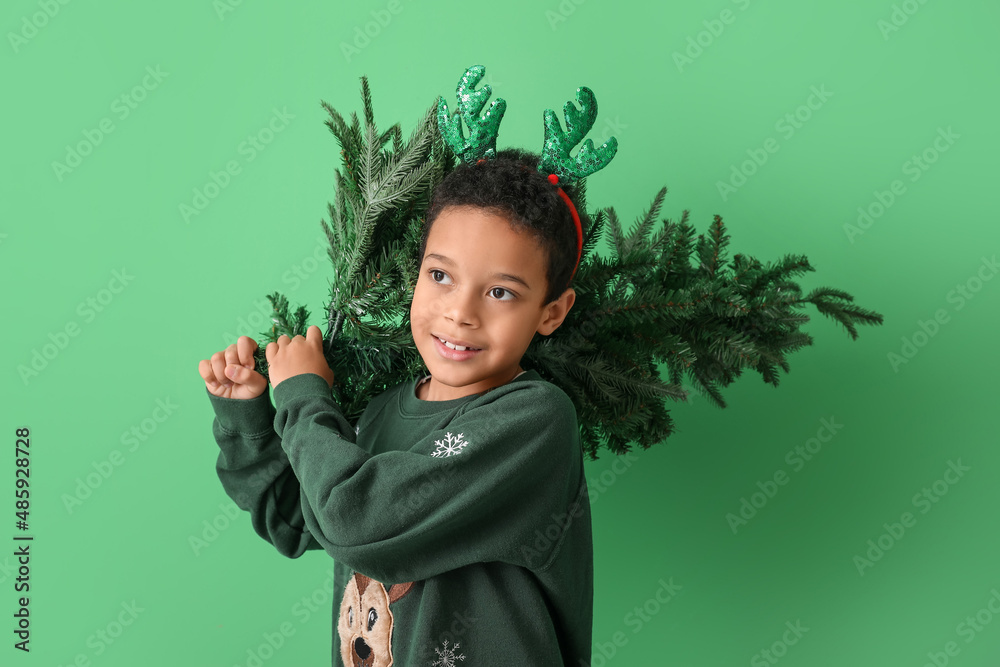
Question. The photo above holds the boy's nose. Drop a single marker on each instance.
(460, 307)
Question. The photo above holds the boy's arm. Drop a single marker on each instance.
(482, 489)
(255, 472)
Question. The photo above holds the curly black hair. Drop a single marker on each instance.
(511, 186)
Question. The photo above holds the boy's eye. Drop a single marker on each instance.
(493, 291)
(502, 289)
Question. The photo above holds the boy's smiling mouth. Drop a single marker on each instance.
(446, 351)
(456, 344)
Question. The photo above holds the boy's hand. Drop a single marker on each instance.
(244, 383)
(302, 354)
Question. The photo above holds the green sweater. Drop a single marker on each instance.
(457, 528)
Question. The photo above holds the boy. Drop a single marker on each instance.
(457, 511)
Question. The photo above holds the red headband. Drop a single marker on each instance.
(576, 220)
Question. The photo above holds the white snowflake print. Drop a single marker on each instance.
(450, 445)
(447, 657)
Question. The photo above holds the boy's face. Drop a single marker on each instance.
(461, 297)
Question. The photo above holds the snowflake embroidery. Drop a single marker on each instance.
(450, 446)
(447, 657)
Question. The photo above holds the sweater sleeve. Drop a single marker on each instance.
(255, 472)
(497, 484)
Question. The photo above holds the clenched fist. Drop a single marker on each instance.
(303, 354)
(230, 373)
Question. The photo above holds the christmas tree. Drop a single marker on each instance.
(664, 298)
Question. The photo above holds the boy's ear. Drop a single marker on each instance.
(556, 312)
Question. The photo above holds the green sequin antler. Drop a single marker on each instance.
(483, 130)
(555, 151)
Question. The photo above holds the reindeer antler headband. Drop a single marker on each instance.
(556, 161)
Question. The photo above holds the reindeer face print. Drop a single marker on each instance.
(365, 625)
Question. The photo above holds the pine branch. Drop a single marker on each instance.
(646, 304)
(825, 300)
(642, 229)
(710, 250)
(645, 318)
(373, 223)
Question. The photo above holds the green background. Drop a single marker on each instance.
(195, 284)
